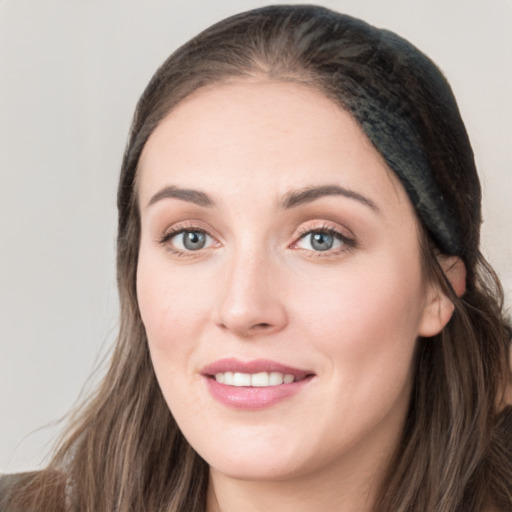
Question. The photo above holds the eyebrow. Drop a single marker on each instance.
(290, 200)
(309, 194)
(185, 194)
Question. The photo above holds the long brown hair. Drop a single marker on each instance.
(123, 450)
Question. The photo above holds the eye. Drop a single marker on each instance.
(190, 240)
(187, 240)
(319, 241)
(324, 239)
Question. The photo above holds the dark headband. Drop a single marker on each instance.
(398, 96)
(395, 138)
(407, 109)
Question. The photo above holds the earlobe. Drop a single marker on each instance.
(439, 308)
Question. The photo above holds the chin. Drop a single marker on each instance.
(251, 470)
(262, 460)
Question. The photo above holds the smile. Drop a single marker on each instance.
(254, 384)
(260, 380)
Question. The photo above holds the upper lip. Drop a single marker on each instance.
(254, 366)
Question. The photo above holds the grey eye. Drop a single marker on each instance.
(188, 240)
(193, 240)
(321, 241)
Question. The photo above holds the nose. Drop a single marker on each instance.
(252, 302)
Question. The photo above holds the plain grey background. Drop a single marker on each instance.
(70, 74)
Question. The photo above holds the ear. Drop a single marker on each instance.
(439, 308)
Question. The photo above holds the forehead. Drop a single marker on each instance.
(262, 137)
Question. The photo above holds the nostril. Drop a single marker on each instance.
(262, 325)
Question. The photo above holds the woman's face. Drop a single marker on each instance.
(276, 247)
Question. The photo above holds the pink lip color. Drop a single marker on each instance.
(252, 398)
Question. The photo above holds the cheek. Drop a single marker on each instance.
(366, 328)
(174, 306)
(361, 298)
(170, 308)
(366, 322)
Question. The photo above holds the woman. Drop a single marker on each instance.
(306, 320)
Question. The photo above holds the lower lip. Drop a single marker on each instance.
(252, 398)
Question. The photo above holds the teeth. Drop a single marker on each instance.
(276, 378)
(241, 379)
(288, 379)
(262, 379)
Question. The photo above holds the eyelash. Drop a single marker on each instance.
(349, 243)
(164, 240)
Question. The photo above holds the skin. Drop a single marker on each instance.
(259, 289)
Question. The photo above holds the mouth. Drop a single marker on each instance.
(255, 380)
(255, 384)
